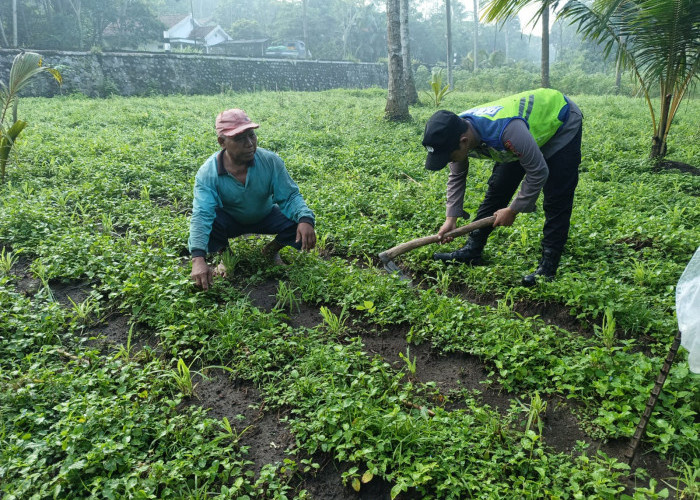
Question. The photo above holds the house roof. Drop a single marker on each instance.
(201, 31)
(171, 20)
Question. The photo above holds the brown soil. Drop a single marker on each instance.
(677, 165)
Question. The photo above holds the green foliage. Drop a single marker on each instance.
(25, 66)
(438, 91)
(116, 424)
(656, 40)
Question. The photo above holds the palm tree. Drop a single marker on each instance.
(409, 82)
(658, 40)
(396, 102)
(448, 16)
(502, 10)
(24, 66)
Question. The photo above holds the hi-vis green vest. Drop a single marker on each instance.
(543, 110)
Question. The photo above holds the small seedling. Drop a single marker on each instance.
(407, 358)
(334, 324)
(438, 91)
(42, 272)
(182, 375)
(83, 311)
(124, 352)
(230, 260)
(606, 331)
(286, 298)
(535, 411)
(7, 260)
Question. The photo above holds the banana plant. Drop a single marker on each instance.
(24, 66)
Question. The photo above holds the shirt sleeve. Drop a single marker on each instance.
(519, 141)
(456, 185)
(204, 204)
(285, 193)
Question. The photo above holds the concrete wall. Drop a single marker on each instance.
(124, 73)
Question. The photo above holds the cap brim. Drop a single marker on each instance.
(437, 161)
(238, 130)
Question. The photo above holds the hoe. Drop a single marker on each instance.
(387, 256)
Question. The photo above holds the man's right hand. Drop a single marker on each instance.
(201, 274)
(449, 224)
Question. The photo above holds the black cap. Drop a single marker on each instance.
(441, 138)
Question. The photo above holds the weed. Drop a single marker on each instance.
(606, 331)
(183, 377)
(84, 311)
(535, 411)
(230, 260)
(335, 324)
(42, 272)
(411, 365)
(286, 298)
(7, 260)
(231, 431)
(124, 352)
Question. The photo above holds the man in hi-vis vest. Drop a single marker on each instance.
(535, 135)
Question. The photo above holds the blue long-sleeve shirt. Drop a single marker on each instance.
(267, 183)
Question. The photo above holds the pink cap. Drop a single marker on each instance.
(233, 122)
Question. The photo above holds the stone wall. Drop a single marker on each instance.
(124, 73)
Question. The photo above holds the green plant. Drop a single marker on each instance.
(535, 411)
(438, 91)
(286, 298)
(84, 311)
(125, 351)
(7, 260)
(182, 375)
(230, 260)
(656, 40)
(410, 364)
(42, 272)
(231, 431)
(606, 331)
(335, 324)
(24, 66)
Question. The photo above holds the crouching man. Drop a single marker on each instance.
(244, 189)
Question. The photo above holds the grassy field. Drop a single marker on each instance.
(106, 348)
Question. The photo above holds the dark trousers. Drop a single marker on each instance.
(558, 193)
(275, 222)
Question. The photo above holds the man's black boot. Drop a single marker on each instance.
(547, 267)
(469, 253)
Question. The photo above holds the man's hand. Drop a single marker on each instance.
(447, 226)
(307, 236)
(505, 217)
(201, 273)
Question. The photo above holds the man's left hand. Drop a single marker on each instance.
(505, 217)
(307, 236)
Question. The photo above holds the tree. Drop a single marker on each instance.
(502, 10)
(658, 40)
(396, 102)
(409, 83)
(448, 33)
(24, 66)
(476, 34)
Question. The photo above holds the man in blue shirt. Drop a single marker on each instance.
(244, 189)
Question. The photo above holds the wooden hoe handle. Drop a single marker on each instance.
(388, 255)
